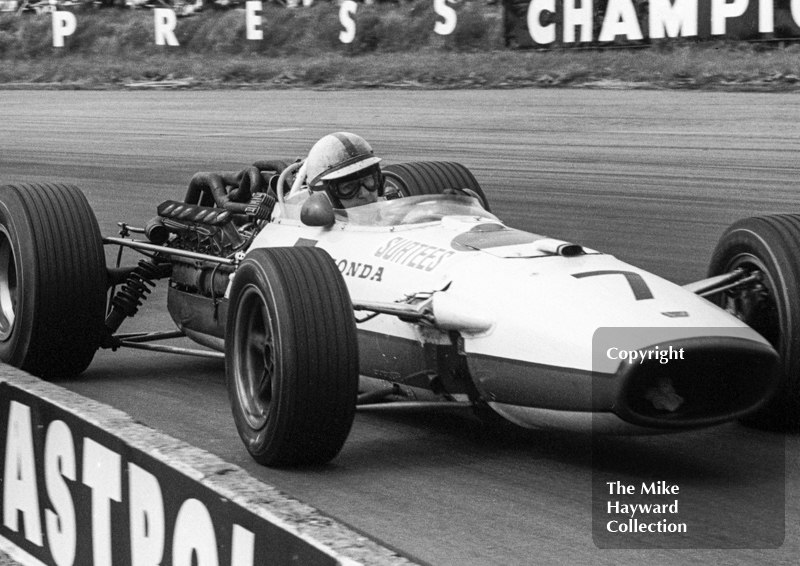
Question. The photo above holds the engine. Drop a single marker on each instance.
(206, 230)
(202, 229)
(220, 216)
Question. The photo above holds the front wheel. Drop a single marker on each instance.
(291, 356)
(769, 248)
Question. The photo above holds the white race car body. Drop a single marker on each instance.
(424, 299)
(523, 309)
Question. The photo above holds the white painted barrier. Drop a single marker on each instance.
(83, 483)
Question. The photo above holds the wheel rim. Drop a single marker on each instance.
(8, 287)
(756, 304)
(254, 369)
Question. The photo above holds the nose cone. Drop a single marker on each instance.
(681, 383)
(549, 346)
(684, 383)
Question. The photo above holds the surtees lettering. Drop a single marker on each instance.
(413, 254)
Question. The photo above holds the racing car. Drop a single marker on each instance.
(425, 298)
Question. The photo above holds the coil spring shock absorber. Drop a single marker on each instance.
(133, 293)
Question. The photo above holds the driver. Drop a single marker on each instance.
(344, 166)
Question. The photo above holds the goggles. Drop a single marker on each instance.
(349, 189)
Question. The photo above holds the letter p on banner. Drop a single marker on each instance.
(64, 24)
(165, 23)
(722, 11)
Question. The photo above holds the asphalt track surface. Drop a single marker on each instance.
(652, 177)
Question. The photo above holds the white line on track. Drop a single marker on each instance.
(240, 134)
(194, 134)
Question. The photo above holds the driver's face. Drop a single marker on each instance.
(357, 190)
(362, 197)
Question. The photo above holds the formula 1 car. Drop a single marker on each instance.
(424, 297)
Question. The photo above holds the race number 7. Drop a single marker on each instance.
(638, 285)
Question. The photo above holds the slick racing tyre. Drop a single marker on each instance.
(768, 246)
(52, 279)
(291, 356)
(431, 178)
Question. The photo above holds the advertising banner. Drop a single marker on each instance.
(569, 23)
(72, 493)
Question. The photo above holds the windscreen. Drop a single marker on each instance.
(412, 210)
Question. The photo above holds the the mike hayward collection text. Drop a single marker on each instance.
(634, 524)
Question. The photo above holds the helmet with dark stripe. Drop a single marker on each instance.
(338, 155)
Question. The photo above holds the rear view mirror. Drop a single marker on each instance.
(317, 211)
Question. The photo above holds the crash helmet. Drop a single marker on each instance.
(338, 155)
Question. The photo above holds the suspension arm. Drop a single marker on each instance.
(144, 246)
(720, 283)
(404, 311)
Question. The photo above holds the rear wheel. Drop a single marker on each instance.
(291, 356)
(431, 178)
(52, 279)
(769, 247)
